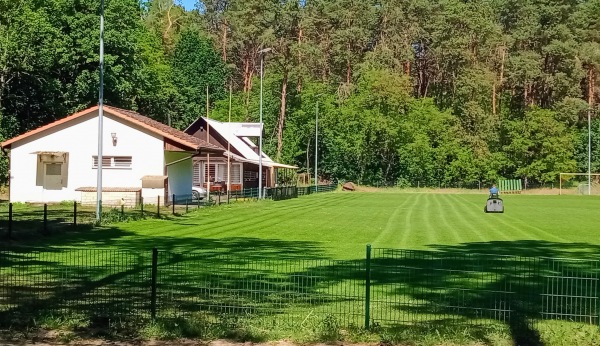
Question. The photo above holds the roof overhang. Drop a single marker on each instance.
(171, 136)
(266, 163)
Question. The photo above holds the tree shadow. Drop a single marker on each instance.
(519, 283)
(97, 280)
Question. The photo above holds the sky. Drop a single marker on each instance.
(188, 4)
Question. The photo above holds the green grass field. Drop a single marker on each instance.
(339, 225)
(302, 260)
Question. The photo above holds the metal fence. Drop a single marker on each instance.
(307, 190)
(388, 287)
(22, 221)
(414, 286)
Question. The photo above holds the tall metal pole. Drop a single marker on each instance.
(260, 194)
(260, 187)
(229, 147)
(100, 116)
(208, 154)
(316, 146)
(589, 150)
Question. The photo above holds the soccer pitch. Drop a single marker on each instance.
(339, 225)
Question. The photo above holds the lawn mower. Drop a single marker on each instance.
(494, 204)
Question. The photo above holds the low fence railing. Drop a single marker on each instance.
(27, 219)
(388, 287)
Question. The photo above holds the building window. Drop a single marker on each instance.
(114, 162)
(52, 170)
(217, 173)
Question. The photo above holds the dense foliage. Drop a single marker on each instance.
(408, 91)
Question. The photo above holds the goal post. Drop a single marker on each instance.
(568, 181)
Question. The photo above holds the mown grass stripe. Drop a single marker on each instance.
(407, 230)
(393, 224)
(459, 210)
(486, 227)
(534, 233)
(445, 211)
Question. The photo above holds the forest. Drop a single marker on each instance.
(407, 92)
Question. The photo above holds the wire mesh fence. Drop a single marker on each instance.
(267, 290)
(93, 282)
(307, 190)
(26, 220)
(416, 286)
(388, 288)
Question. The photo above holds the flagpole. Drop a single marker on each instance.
(100, 116)
(207, 154)
(229, 148)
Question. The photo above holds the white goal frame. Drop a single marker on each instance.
(574, 174)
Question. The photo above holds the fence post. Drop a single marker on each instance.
(10, 220)
(153, 283)
(45, 217)
(74, 213)
(122, 211)
(187, 202)
(368, 288)
(142, 205)
(173, 202)
(157, 206)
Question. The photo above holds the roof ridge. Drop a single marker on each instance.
(134, 117)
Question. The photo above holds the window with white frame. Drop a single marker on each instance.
(217, 172)
(112, 162)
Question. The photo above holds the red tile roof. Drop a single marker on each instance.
(154, 126)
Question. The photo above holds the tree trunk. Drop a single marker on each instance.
(494, 99)
(308, 154)
(348, 71)
(2, 87)
(531, 96)
(246, 73)
(224, 40)
(502, 66)
(420, 84)
(281, 122)
(348, 66)
(591, 90)
(299, 84)
(500, 81)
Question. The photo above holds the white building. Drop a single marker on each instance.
(141, 158)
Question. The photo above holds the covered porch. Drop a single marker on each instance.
(237, 173)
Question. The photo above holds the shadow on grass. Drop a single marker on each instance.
(517, 282)
(513, 282)
(29, 222)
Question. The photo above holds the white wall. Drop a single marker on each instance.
(180, 173)
(79, 138)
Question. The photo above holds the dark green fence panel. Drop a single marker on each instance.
(425, 286)
(91, 282)
(395, 287)
(283, 291)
